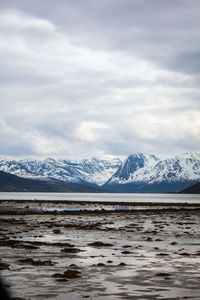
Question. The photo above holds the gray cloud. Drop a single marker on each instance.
(109, 77)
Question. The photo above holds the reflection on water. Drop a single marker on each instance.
(106, 208)
(92, 208)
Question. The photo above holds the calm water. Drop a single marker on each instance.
(149, 198)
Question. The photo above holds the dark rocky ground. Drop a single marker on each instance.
(100, 255)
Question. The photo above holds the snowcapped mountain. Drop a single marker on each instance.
(147, 173)
(134, 168)
(138, 173)
(92, 171)
(179, 168)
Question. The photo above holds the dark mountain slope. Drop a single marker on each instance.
(13, 183)
(143, 187)
(194, 189)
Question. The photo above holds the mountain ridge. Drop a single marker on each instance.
(139, 172)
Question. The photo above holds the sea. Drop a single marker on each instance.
(104, 197)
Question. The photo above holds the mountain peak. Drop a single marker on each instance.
(132, 164)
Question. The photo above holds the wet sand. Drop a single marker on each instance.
(67, 254)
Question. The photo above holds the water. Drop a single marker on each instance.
(110, 197)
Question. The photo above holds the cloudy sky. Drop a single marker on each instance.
(94, 77)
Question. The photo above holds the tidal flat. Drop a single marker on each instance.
(57, 251)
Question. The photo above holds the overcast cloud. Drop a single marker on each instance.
(88, 77)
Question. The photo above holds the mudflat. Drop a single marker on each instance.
(99, 254)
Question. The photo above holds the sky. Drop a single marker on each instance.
(83, 78)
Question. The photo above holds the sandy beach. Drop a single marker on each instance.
(99, 254)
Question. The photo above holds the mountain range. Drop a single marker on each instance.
(138, 173)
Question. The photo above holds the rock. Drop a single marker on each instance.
(68, 274)
(162, 274)
(100, 244)
(71, 274)
(3, 265)
(69, 245)
(109, 261)
(26, 260)
(126, 246)
(173, 243)
(70, 250)
(122, 264)
(73, 266)
(162, 254)
(57, 231)
(57, 275)
(61, 279)
(126, 252)
(25, 246)
(42, 263)
(36, 262)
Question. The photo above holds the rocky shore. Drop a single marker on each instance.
(99, 254)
